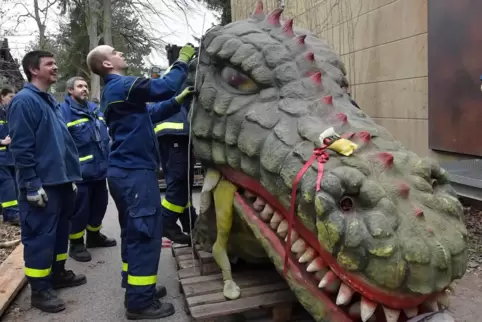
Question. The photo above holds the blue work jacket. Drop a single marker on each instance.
(178, 124)
(5, 154)
(130, 121)
(43, 150)
(87, 126)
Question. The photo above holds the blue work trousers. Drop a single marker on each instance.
(45, 234)
(90, 208)
(8, 192)
(174, 150)
(136, 195)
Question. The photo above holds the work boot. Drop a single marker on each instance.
(97, 239)
(47, 301)
(160, 293)
(78, 251)
(156, 310)
(65, 279)
(173, 232)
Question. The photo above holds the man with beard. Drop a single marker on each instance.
(47, 165)
(131, 174)
(87, 126)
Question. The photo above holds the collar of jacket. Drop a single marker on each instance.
(109, 77)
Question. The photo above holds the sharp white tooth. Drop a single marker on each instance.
(443, 299)
(307, 256)
(267, 213)
(315, 265)
(249, 194)
(329, 278)
(205, 201)
(294, 236)
(211, 179)
(282, 228)
(367, 309)
(259, 204)
(299, 246)
(391, 314)
(344, 294)
(275, 220)
(411, 312)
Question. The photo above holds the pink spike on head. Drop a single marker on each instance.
(328, 99)
(342, 117)
(288, 27)
(310, 56)
(259, 8)
(419, 212)
(404, 189)
(316, 78)
(274, 16)
(365, 136)
(386, 158)
(300, 39)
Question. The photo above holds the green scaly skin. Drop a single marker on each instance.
(405, 233)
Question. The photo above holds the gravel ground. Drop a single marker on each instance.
(7, 233)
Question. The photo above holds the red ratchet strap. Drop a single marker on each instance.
(321, 156)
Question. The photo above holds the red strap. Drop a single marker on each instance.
(321, 156)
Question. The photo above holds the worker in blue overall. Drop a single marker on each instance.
(8, 180)
(47, 166)
(173, 139)
(87, 126)
(131, 173)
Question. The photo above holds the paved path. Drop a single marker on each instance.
(101, 299)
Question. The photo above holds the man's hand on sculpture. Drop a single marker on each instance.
(188, 92)
(186, 53)
(37, 198)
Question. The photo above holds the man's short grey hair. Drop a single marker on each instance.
(70, 83)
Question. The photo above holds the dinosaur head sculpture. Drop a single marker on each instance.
(383, 233)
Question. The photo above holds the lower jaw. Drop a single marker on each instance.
(319, 302)
(320, 306)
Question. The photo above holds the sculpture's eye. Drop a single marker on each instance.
(238, 80)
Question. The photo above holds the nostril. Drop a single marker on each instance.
(346, 204)
(434, 183)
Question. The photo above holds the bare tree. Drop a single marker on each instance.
(39, 14)
(107, 25)
(92, 21)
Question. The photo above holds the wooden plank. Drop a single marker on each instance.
(210, 268)
(187, 263)
(241, 305)
(12, 278)
(216, 285)
(188, 272)
(245, 292)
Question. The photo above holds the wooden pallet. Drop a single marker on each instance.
(265, 296)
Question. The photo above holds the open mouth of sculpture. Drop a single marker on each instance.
(346, 296)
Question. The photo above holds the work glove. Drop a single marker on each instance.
(187, 92)
(37, 198)
(74, 187)
(186, 53)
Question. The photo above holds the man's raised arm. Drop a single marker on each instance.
(162, 110)
(162, 89)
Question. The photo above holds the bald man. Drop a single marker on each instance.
(131, 173)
